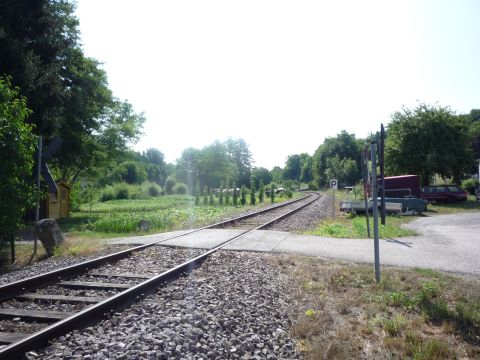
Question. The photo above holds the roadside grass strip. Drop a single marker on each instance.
(411, 314)
(356, 228)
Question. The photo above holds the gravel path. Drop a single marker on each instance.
(235, 306)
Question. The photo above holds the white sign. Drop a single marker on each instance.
(334, 184)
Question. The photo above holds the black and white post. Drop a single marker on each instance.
(375, 211)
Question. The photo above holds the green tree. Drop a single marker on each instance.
(277, 175)
(253, 199)
(261, 174)
(427, 140)
(241, 157)
(67, 91)
(293, 167)
(211, 200)
(243, 195)
(342, 147)
(205, 196)
(169, 185)
(261, 191)
(220, 196)
(188, 167)
(17, 147)
(215, 165)
(130, 172)
(235, 194)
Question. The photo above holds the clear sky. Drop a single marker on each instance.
(283, 75)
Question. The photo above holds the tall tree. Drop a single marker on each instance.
(334, 151)
(427, 140)
(188, 168)
(242, 158)
(67, 91)
(293, 167)
(260, 174)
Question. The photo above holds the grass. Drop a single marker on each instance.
(411, 314)
(470, 205)
(165, 213)
(355, 227)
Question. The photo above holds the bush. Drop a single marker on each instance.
(108, 194)
(154, 190)
(122, 191)
(243, 195)
(180, 189)
(470, 185)
(169, 185)
(211, 200)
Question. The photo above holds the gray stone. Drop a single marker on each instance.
(49, 234)
(143, 225)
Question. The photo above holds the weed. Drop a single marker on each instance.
(394, 327)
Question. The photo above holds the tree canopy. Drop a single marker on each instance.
(66, 91)
(427, 140)
(338, 157)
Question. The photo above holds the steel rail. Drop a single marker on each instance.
(14, 289)
(124, 299)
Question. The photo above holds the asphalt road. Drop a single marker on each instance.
(446, 242)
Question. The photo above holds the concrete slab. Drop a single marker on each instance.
(441, 245)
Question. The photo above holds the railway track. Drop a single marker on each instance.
(73, 297)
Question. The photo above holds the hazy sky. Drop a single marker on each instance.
(283, 75)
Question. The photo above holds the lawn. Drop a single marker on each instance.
(349, 226)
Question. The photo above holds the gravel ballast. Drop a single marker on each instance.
(234, 306)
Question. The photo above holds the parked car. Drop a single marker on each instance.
(443, 193)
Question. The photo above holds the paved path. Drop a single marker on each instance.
(447, 242)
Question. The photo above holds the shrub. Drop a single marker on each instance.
(261, 191)
(211, 200)
(108, 194)
(180, 189)
(197, 199)
(220, 197)
(227, 197)
(122, 191)
(235, 194)
(154, 190)
(289, 192)
(253, 199)
(243, 195)
(272, 193)
(169, 185)
(205, 196)
(470, 185)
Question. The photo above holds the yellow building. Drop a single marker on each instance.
(58, 205)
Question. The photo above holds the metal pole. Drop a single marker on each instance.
(37, 209)
(382, 171)
(365, 184)
(375, 213)
(333, 208)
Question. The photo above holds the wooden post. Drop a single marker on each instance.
(37, 209)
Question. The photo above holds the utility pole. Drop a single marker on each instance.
(375, 212)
